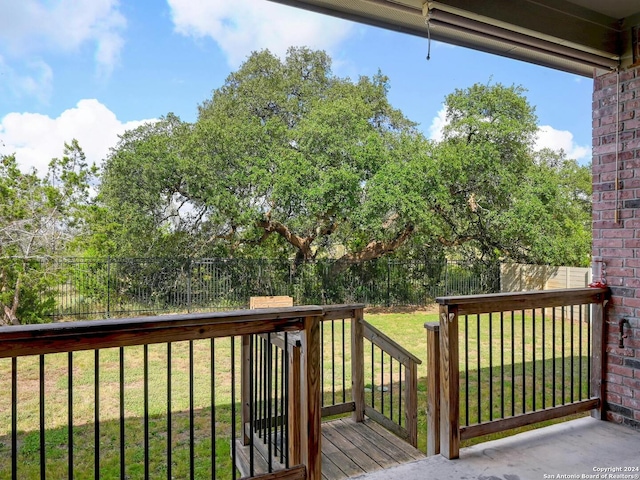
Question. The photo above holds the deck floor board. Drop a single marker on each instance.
(351, 449)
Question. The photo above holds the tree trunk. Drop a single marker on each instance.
(9, 317)
(374, 249)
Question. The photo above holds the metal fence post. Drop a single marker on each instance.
(388, 282)
(189, 285)
(108, 287)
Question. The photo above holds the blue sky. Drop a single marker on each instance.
(89, 69)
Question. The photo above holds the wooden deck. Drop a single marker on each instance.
(350, 449)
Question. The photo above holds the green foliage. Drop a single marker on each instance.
(283, 149)
(38, 217)
(287, 159)
(497, 198)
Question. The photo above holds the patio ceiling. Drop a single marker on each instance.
(575, 36)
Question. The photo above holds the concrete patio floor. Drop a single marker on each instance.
(582, 448)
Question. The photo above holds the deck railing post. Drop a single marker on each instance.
(433, 388)
(449, 383)
(357, 364)
(597, 358)
(311, 411)
(411, 402)
(245, 378)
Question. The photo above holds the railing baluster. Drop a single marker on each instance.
(553, 361)
(192, 466)
(544, 361)
(524, 366)
(502, 365)
(265, 389)
(286, 400)
(490, 365)
(373, 382)
(572, 355)
(234, 452)
(344, 356)
(70, 413)
(333, 364)
(533, 363)
(96, 413)
(513, 363)
(478, 369)
(169, 421)
(251, 408)
(269, 401)
(283, 377)
(122, 431)
(146, 409)
(322, 363)
(212, 348)
(42, 422)
(400, 394)
(382, 381)
(580, 353)
(14, 418)
(466, 369)
(390, 388)
(562, 318)
(589, 350)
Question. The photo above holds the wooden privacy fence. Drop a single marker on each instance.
(502, 361)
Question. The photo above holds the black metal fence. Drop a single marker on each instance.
(83, 288)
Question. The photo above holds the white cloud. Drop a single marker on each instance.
(242, 26)
(36, 138)
(35, 80)
(549, 137)
(36, 26)
(437, 125)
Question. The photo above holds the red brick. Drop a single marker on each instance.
(608, 242)
(613, 417)
(626, 75)
(631, 403)
(631, 302)
(617, 252)
(612, 398)
(620, 233)
(620, 390)
(632, 383)
(612, 378)
(621, 371)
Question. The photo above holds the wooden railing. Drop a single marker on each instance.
(182, 396)
(383, 374)
(362, 372)
(166, 414)
(502, 361)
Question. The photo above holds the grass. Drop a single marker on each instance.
(406, 329)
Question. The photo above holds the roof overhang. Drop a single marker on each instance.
(579, 36)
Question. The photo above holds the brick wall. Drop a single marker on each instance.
(616, 232)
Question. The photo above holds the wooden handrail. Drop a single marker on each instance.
(496, 302)
(389, 345)
(95, 334)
